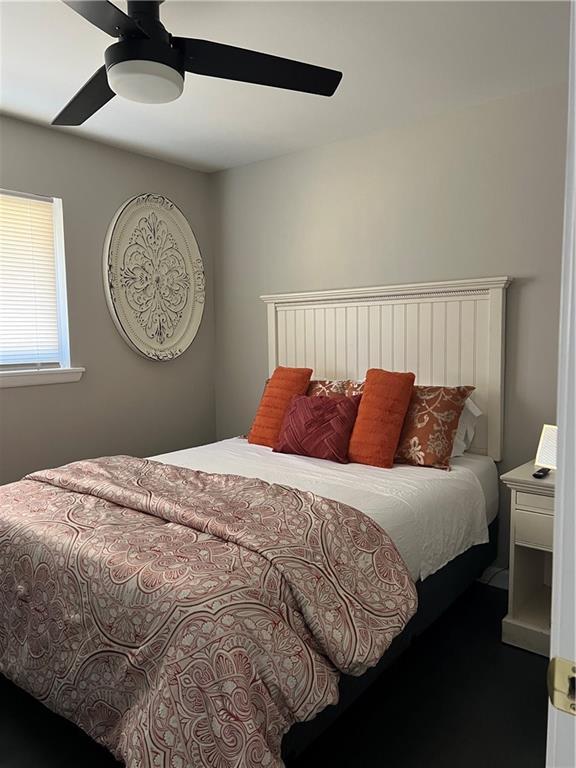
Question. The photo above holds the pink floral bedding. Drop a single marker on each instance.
(186, 619)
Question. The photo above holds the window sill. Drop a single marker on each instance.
(33, 377)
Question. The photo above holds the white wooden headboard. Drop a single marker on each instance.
(448, 333)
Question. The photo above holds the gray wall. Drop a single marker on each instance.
(470, 194)
(124, 403)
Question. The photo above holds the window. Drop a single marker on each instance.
(33, 311)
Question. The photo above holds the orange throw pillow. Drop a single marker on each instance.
(430, 427)
(280, 389)
(380, 417)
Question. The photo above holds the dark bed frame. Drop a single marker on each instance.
(435, 594)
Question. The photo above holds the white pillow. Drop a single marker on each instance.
(466, 428)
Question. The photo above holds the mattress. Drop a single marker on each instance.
(431, 515)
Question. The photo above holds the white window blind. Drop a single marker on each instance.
(33, 314)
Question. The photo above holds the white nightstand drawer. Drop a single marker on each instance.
(534, 500)
(533, 529)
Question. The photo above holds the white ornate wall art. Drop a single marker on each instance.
(154, 277)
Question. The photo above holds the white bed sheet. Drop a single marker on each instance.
(431, 515)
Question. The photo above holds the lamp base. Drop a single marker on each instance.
(541, 473)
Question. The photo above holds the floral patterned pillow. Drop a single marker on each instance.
(335, 388)
(326, 388)
(430, 426)
(354, 388)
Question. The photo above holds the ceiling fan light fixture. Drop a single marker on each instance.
(147, 63)
(149, 82)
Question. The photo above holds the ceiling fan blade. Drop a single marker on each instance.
(217, 60)
(89, 99)
(107, 17)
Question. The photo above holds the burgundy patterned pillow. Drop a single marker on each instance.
(318, 426)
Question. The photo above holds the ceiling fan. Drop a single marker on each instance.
(148, 63)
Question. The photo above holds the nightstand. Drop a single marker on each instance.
(527, 624)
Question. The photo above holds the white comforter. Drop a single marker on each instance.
(431, 515)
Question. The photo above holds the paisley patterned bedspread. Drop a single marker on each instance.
(186, 619)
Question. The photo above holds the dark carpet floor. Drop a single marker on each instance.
(458, 698)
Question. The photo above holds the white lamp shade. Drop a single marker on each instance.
(546, 453)
(149, 82)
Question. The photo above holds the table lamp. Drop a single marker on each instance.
(546, 453)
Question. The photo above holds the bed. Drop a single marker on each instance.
(444, 525)
(95, 553)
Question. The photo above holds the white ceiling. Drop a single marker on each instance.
(401, 60)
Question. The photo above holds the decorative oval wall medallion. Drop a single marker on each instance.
(154, 277)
